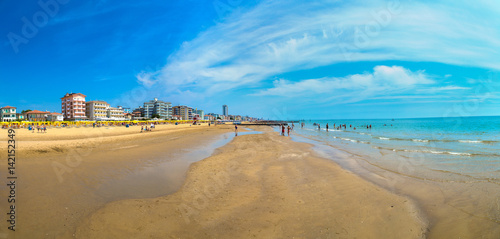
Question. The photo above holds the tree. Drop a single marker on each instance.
(155, 116)
(24, 111)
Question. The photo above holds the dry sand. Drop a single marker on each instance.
(56, 189)
(62, 139)
(262, 186)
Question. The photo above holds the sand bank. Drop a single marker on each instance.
(262, 186)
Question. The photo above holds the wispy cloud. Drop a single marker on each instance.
(279, 36)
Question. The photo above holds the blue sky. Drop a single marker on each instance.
(323, 59)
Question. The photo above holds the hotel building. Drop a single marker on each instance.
(184, 112)
(115, 114)
(96, 110)
(73, 106)
(225, 110)
(161, 108)
(7, 114)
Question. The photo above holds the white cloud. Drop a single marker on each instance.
(146, 79)
(276, 37)
(382, 80)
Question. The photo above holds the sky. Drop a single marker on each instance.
(323, 59)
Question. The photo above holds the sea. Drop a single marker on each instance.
(441, 149)
(450, 167)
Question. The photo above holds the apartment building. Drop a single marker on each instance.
(183, 112)
(115, 114)
(157, 107)
(225, 110)
(96, 110)
(73, 106)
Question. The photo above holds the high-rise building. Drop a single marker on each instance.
(157, 107)
(183, 112)
(225, 110)
(73, 106)
(201, 114)
(96, 110)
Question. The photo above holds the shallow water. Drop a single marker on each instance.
(468, 148)
(162, 177)
(455, 178)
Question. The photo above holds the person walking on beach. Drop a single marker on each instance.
(236, 130)
(283, 130)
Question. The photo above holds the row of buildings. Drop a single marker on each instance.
(9, 114)
(74, 107)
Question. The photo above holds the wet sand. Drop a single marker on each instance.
(262, 186)
(454, 208)
(116, 183)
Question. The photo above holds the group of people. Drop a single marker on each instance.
(145, 127)
(288, 128)
(39, 128)
(340, 126)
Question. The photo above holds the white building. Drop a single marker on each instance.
(8, 113)
(115, 114)
(96, 110)
(55, 117)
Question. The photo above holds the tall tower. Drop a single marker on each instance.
(225, 110)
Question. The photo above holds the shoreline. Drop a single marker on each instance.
(454, 208)
(258, 185)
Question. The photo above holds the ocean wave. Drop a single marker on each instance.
(426, 151)
(440, 140)
(420, 140)
(352, 140)
(471, 141)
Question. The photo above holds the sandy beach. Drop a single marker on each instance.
(259, 185)
(280, 190)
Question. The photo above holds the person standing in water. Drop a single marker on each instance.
(289, 128)
(327, 127)
(283, 129)
(319, 127)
